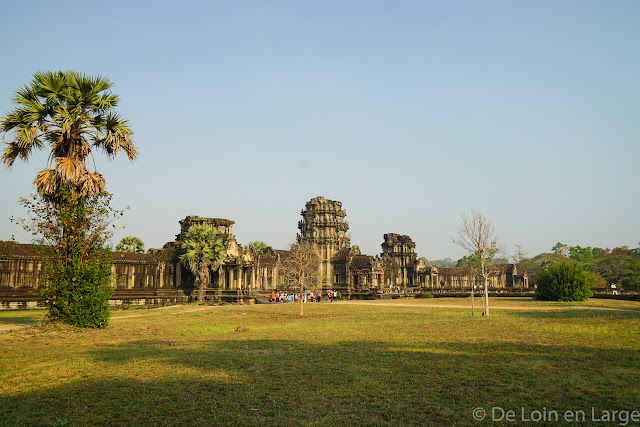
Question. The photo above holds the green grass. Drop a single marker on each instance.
(420, 362)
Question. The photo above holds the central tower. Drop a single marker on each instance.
(323, 224)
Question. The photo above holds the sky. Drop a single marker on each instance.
(410, 113)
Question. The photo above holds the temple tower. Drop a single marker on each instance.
(323, 224)
(402, 250)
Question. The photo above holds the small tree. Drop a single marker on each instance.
(564, 282)
(476, 237)
(519, 255)
(130, 244)
(203, 252)
(560, 249)
(301, 268)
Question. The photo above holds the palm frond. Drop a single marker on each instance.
(92, 183)
(71, 111)
(69, 168)
(116, 136)
(47, 182)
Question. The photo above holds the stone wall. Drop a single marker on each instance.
(138, 279)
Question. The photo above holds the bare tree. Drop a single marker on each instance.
(476, 236)
(519, 255)
(301, 267)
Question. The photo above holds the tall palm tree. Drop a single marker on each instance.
(73, 113)
(203, 252)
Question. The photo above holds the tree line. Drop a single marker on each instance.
(619, 266)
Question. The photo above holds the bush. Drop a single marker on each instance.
(425, 295)
(564, 282)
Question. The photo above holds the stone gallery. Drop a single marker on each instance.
(158, 277)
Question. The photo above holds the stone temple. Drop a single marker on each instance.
(158, 277)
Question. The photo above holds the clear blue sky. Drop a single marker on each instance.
(409, 112)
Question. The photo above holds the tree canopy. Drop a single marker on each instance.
(259, 246)
(130, 244)
(73, 113)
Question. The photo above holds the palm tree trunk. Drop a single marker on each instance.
(200, 279)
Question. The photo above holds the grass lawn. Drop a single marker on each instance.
(415, 362)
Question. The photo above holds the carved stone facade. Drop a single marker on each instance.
(401, 249)
(242, 269)
(323, 224)
(158, 277)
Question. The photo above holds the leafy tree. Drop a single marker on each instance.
(202, 253)
(300, 267)
(564, 282)
(623, 270)
(130, 244)
(73, 113)
(534, 266)
(476, 236)
(621, 250)
(72, 240)
(580, 254)
(471, 261)
(259, 246)
(560, 249)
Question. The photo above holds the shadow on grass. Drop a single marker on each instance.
(21, 318)
(286, 382)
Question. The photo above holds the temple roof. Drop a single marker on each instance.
(17, 249)
(398, 238)
(266, 260)
(361, 262)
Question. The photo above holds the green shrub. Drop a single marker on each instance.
(564, 282)
(425, 295)
(77, 293)
(72, 237)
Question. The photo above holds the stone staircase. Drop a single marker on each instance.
(260, 299)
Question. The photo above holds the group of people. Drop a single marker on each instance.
(306, 297)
